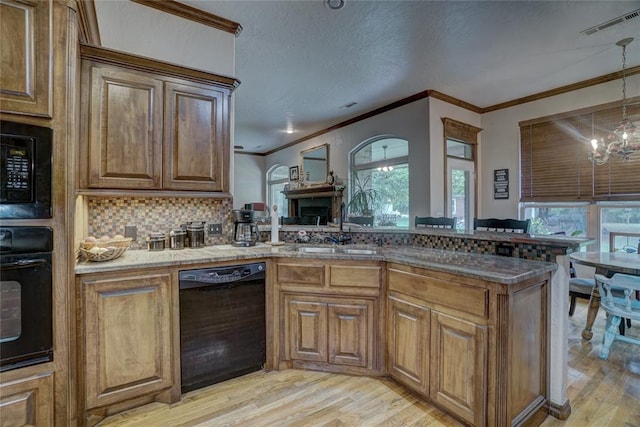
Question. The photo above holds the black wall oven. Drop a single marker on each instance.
(26, 300)
(25, 171)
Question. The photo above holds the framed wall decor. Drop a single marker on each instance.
(501, 184)
(293, 173)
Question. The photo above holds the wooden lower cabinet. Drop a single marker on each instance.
(408, 343)
(458, 366)
(476, 349)
(338, 331)
(126, 340)
(27, 401)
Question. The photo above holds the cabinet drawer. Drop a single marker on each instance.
(359, 276)
(312, 275)
(441, 292)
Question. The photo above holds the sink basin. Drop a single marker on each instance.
(359, 251)
(316, 250)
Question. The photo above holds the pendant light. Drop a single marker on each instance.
(624, 140)
(385, 168)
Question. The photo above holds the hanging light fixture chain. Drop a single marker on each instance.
(624, 82)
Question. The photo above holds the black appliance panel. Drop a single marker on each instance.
(26, 299)
(25, 171)
(222, 323)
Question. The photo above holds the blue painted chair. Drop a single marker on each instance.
(619, 304)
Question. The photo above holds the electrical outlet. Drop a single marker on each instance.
(215, 228)
(131, 231)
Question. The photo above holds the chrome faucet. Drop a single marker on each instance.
(342, 238)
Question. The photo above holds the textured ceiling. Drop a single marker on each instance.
(300, 62)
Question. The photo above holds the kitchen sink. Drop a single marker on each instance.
(316, 250)
(359, 251)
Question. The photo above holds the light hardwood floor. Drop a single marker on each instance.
(602, 393)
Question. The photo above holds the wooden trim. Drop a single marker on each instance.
(454, 101)
(562, 89)
(153, 193)
(404, 101)
(148, 65)
(460, 131)
(88, 23)
(463, 104)
(579, 112)
(194, 14)
(560, 412)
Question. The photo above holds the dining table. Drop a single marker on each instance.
(607, 264)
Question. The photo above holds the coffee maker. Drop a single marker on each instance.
(245, 231)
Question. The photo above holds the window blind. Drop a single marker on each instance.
(554, 164)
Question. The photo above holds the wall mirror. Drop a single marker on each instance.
(315, 162)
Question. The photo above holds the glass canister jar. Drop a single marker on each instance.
(195, 233)
(177, 238)
(156, 241)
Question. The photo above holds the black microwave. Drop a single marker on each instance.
(25, 171)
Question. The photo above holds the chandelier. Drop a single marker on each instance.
(624, 140)
(385, 168)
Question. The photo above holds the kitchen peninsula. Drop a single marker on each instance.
(415, 314)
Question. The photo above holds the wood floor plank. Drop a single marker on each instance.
(602, 393)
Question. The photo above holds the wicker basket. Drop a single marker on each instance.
(109, 250)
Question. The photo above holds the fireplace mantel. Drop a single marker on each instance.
(315, 195)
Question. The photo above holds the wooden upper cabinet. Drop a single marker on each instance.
(194, 138)
(125, 128)
(25, 57)
(152, 125)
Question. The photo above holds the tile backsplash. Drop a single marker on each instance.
(109, 215)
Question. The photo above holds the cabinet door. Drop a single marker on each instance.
(127, 338)
(25, 57)
(407, 343)
(125, 128)
(307, 330)
(350, 337)
(27, 401)
(196, 152)
(458, 366)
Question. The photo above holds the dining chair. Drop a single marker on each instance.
(435, 222)
(504, 225)
(579, 287)
(619, 304)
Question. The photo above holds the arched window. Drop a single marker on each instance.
(277, 177)
(379, 175)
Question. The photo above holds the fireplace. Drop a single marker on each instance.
(323, 201)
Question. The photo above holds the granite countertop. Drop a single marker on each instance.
(498, 269)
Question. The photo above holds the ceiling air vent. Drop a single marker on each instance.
(610, 23)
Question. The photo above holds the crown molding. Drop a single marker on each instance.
(88, 33)
(193, 14)
(563, 89)
(141, 63)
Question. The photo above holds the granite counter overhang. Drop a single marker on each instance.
(555, 240)
(504, 270)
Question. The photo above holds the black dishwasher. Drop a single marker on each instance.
(222, 323)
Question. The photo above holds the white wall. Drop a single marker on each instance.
(501, 138)
(421, 124)
(165, 37)
(249, 177)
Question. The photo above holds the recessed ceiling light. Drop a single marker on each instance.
(289, 130)
(349, 104)
(238, 147)
(334, 4)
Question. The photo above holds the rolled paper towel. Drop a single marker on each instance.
(274, 224)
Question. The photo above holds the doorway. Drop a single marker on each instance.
(460, 192)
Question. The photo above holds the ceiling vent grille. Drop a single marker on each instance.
(610, 23)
